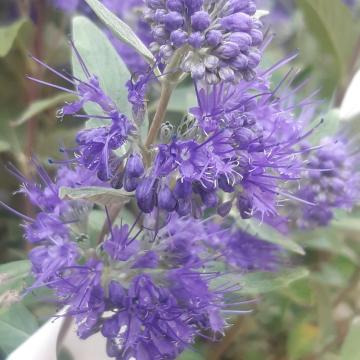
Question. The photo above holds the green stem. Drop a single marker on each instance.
(172, 78)
(166, 92)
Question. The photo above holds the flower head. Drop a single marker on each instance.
(331, 182)
(218, 41)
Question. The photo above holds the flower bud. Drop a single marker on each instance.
(159, 16)
(257, 37)
(103, 172)
(254, 59)
(245, 206)
(244, 136)
(146, 194)
(183, 189)
(196, 40)
(238, 5)
(209, 198)
(183, 207)
(130, 183)
(173, 21)
(242, 39)
(250, 9)
(214, 37)
(227, 74)
(224, 184)
(148, 261)
(228, 50)
(166, 51)
(134, 166)
(178, 38)
(200, 21)
(159, 33)
(211, 62)
(117, 181)
(236, 22)
(193, 5)
(166, 199)
(224, 209)
(154, 4)
(240, 62)
(116, 292)
(175, 5)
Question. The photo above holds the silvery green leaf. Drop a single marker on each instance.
(259, 283)
(102, 60)
(351, 347)
(4, 146)
(331, 22)
(16, 325)
(94, 194)
(269, 234)
(39, 106)
(13, 275)
(8, 35)
(263, 282)
(121, 30)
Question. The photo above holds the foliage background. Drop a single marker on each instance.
(316, 317)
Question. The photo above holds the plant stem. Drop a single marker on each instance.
(171, 80)
(166, 92)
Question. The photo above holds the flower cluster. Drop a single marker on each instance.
(332, 182)
(217, 40)
(50, 230)
(240, 148)
(97, 147)
(153, 287)
(149, 293)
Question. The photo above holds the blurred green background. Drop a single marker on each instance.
(316, 317)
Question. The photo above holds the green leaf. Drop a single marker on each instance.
(4, 146)
(302, 339)
(102, 60)
(332, 24)
(329, 240)
(351, 347)
(259, 283)
(97, 219)
(328, 128)
(350, 224)
(16, 325)
(329, 356)
(300, 292)
(183, 99)
(42, 105)
(8, 35)
(269, 234)
(121, 30)
(13, 275)
(190, 355)
(263, 282)
(97, 195)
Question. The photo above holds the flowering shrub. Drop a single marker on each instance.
(182, 202)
